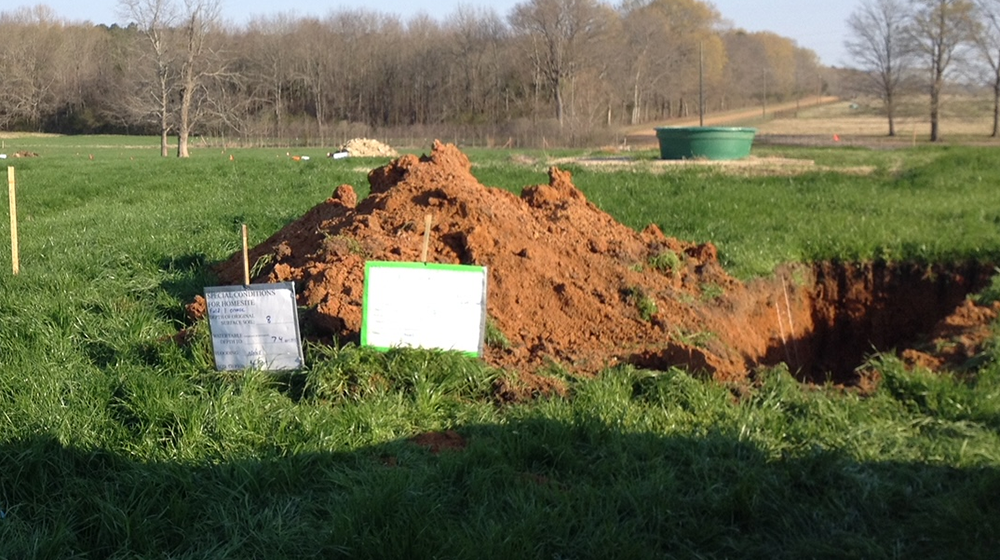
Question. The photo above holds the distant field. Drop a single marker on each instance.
(859, 121)
(863, 118)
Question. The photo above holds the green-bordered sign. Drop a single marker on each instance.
(424, 305)
(254, 326)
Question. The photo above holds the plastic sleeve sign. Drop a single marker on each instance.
(254, 326)
(424, 305)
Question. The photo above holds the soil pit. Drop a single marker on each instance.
(571, 287)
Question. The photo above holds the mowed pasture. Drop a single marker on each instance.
(117, 440)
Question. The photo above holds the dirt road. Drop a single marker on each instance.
(646, 133)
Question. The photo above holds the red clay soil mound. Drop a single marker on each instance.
(568, 285)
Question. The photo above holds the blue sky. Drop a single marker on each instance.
(815, 24)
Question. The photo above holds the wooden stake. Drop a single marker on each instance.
(428, 219)
(781, 330)
(12, 190)
(246, 258)
(791, 324)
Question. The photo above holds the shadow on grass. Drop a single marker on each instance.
(187, 277)
(531, 488)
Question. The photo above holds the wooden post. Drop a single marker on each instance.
(701, 83)
(11, 189)
(791, 324)
(427, 237)
(763, 111)
(781, 330)
(246, 258)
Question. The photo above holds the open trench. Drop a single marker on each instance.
(824, 320)
(850, 311)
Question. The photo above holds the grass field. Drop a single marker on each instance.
(961, 117)
(117, 443)
(965, 119)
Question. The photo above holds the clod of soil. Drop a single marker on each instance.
(568, 285)
(436, 442)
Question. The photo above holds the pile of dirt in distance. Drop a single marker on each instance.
(568, 285)
(366, 147)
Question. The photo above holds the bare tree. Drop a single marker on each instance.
(177, 39)
(807, 73)
(477, 37)
(937, 29)
(988, 45)
(428, 62)
(878, 43)
(763, 65)
(558, 32)
(173, 69)
(638, 37)
(743, 73)
(358, 41)
(233, 100)
(154, 19)
(779, 62)
(200, 16)
(36, 60)
(269, 57)
(665, 42)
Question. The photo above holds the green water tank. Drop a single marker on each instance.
(705, 142)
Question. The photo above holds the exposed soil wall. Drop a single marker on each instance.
(858, 308)
(569, 285)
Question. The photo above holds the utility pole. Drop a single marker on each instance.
(701, 83)
(763, 113)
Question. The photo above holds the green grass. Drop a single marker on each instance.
(117, 443)
(926, 204)
(666, 262)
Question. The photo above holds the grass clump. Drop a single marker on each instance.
(711, 291)
(991, 293)
(698, 339)
(495, 338)
(342, 244)
(644, 304)
(666, 262)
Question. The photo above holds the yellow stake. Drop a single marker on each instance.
(14, 259)
(246, 258)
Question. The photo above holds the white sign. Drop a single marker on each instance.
(424, 305)
(254, 326)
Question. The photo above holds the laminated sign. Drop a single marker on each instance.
(424, 305)
(254, 326)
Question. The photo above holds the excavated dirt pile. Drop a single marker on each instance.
(568, 285)
(367, 147)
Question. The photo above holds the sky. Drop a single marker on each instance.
(814, 24)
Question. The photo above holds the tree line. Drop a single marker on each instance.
(567, 70)
(907, 45)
